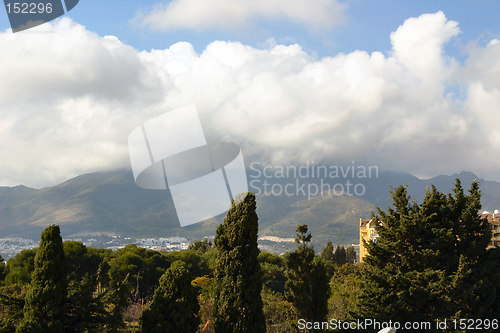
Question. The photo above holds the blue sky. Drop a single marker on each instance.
(367, 27)
(408, 86)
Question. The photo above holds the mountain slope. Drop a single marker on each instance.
(110, 202)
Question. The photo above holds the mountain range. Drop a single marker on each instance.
(110, 202)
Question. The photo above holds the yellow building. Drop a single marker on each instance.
(367, 232)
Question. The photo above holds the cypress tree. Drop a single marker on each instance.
(340, 255)
(351, 255)
(307, 285)
(328, 252)
(44, 308)
(174, 307)
(238, 304)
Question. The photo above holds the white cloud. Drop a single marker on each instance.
(69, 99)
(202, 14)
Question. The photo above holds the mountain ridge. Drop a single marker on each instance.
(110, 201)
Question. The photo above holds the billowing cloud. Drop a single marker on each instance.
(69, 98)
(202, 14)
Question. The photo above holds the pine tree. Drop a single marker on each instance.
(85, 311)
(238, 303)
(174, 307)
(307, 285)
(44, 308)
(421, 265)
(117, 298)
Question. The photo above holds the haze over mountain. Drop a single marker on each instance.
(110, 202)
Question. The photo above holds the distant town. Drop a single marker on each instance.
(10, 246)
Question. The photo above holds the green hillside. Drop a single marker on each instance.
(110, 202)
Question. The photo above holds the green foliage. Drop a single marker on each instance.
(44, 308)
(143, 268)
(210, 259)
(351, 255)
(280, 314)
(201, 246)
(485, 301)
(337, 257)
(85, 313)
(175, 304)
(271, 258)
(307, 284)
(238, 304)
(117, 301)
(11, 306)
(19, 268)
(345, 287)
(340, 255)
(194, 261)
(81, 259)
(3, 269)
(328, 252)
(273, 271)
(423, 264)
(273, 277)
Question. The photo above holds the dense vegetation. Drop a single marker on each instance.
(429, 262)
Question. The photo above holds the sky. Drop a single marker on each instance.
(409, 86)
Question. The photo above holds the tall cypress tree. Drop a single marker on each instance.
(238, 304)
(174, 307)
(340, 255)
(307, 285)
(328, 252)
(44, 308)
(421, 266)
(351, 255)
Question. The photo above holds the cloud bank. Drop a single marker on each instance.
(69, 98)
(203, 14)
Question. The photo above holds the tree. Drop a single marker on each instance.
(345, 287)
(2, 269)
(85, 312)
(201, 246)
(422, 264)
(144, 268)
(11, 306)
(81, 260)
(116, 299)
(351, 255)
(238, 303)
(193, 260)
(174, 307)
(307, 284)
(19, 268)
(328, 252)
(44, 308)
(280, 314)
(340, 255)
